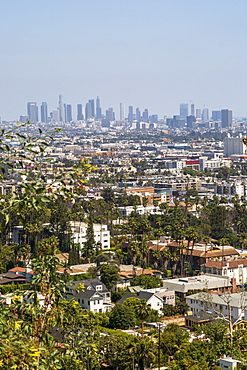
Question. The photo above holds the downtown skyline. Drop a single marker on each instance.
(92, 109)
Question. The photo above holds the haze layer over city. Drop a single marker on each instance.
(148, 54)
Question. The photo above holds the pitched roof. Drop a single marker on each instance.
(145, 295)
(138, 271)
(10, 278)
(21, 269)
(229, 264)
(229, 251)
(126, 296)
(63, 257)
(141, 295)
(158, 247)
(90, 285)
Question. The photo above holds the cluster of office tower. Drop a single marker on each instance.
(189, 117)
(90, 111)
(200, 117)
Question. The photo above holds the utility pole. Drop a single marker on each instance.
(159, 349)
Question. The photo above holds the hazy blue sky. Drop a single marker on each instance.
(146, 53)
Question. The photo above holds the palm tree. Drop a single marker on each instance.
(166, 256)
(144, 249)
(143, 311)
(24, 252)
(134, 248)
(156, 255)
(174, 258)
(143, 351)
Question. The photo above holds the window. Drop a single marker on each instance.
(98, 302)
(98, 287)
(82, 301)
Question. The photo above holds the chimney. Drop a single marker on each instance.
(234, 285)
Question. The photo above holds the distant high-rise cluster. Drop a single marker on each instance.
(200, 118)
(91, 111)
(189, 117)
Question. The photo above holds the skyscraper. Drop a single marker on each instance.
(122, 115)
(226, 118)
(44, 115)
(192, 109)
(56, 116)
(91, 102)
(88, 111)
(68, 113)
(138, 114)
(191, 122)
(79, 113)
(198, 113)
(154, 118)
(216, 115)
(130, 115)
(184, 110)
(32, 112)
(61, 109)
(109, 114)
(145, 115)
(98, 108)
(205, 115)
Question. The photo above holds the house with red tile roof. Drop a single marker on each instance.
(24, 272)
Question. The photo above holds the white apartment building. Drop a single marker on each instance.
(181, 286)
(101, 234)
(234, 145)
(126, 211)
(225, 305)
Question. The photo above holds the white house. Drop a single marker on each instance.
(168, 296)
(228, 363)
(225, 305)
(92, 295)
(101, 234)
(151, 299)
(156, 300)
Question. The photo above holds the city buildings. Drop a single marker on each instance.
(32, 112)
(234, 145)
(68, 113)
(183, 110)
(122, 114)
(44, 114)
(79, 112)
(101, 234)
(98, 108)
(61, 109)
(226, 118)
(130, 115)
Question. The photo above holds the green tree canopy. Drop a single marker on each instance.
(109, 275)
(146, 281)
(121, 317)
